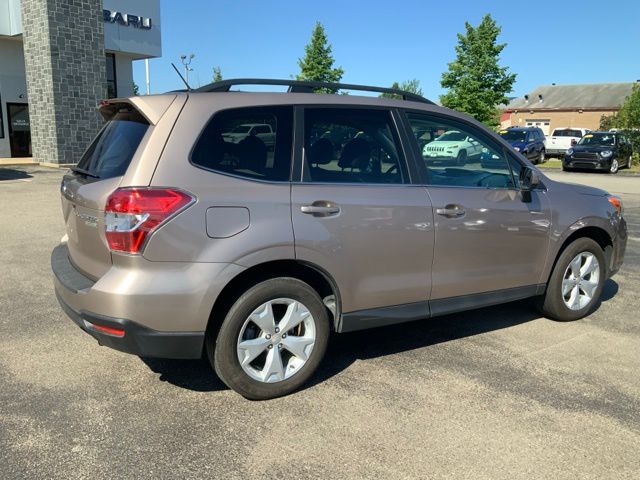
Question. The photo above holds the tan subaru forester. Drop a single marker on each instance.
(248, 226)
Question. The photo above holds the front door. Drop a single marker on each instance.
(355, 214)
(489, 236)
(19, 129)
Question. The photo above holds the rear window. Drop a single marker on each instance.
(112, 150)
(567, 133)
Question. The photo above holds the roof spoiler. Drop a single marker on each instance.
(151, 107)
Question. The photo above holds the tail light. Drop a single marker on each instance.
(132, 214)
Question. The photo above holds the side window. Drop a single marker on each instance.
(458, 155)
(345, 145)
(248, 142)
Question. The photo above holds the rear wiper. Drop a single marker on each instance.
(82, 171)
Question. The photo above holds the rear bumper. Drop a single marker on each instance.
(555, 151)
(163, 308)
(137, 339)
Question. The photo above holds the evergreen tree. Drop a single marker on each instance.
(317, 63)
(477, 83)
(217, 74)
(411, 86)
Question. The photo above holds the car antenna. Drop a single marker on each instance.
(181, 77)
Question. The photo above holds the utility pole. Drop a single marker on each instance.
(186, 61)
(146, 68)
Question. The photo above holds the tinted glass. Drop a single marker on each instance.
(513, 135)
(112, 150)
(567, 133)
(473, 162)
(598, 139)
(248, 142)
(351, 146)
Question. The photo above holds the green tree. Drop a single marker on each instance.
(136, 89)
(317, 63)
(217, 73)
(627, 119)
(476, 82)
(411, 86)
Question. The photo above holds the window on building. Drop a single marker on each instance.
(112, 90)
(1, 122)
(248, 142)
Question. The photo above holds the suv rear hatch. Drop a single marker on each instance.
(86, 187)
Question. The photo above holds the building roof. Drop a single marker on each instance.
(605, 96)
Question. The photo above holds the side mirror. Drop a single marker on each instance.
(574, 142)
(529, 179)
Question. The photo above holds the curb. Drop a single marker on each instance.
(622, 173)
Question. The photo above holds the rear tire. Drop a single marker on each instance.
(277, 360)
(571, 295)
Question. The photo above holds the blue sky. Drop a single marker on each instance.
(380, 42)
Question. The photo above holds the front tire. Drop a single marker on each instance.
(613, 169)
(461, 158)
(272, 339)
(542, 156)
(576, 281)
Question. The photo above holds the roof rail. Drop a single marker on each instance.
(304, 86)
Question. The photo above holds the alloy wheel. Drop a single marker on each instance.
(614, 166)
(276, 340)
(580, 280)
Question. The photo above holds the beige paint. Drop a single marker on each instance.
(558, 118)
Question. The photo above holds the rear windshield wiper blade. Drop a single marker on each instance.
(82, 171)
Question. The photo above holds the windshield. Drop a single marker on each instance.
(112, 150)
(598, 139)
(451, 136)
(513, 135)
(241, 129)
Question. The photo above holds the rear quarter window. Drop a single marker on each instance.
(110, 153)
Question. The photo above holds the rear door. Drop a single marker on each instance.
(355, 213)
(86, 187)
(488, 235)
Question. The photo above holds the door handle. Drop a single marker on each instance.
(320, 209)
(451, 211)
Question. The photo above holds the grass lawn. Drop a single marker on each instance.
(557, 163)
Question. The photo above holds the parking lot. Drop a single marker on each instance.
(494, 393)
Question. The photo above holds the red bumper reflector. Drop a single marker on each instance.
(118, 332)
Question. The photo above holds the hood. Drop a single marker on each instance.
(518, 143)
(581, 189)
(592, 148)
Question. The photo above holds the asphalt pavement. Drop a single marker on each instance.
(497, 393)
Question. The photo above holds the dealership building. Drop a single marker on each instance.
(58, 60)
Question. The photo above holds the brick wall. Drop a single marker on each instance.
(66, 78)
(586, 119)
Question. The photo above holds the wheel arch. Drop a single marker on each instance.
(320, 280)
(595, 233)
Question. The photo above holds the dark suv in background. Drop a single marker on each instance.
(605, 151)
(188, 235)
(529, 141)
